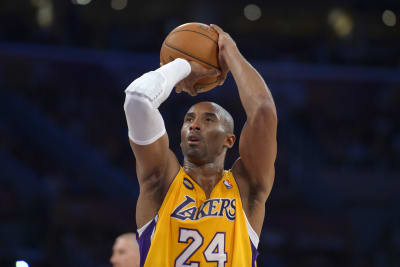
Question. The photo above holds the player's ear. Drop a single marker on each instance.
(230, 140)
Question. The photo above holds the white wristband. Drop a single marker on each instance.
(143, 97)
(157, 85)
(175, 71)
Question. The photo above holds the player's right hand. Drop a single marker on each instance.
(198, 72)
(225, 43)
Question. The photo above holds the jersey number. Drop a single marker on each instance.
(215, 251)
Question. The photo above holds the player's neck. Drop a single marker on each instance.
(205, 170)
(206, 175)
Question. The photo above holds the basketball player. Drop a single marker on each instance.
(199, 214)
(125, 251)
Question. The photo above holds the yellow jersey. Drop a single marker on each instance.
(190, 230)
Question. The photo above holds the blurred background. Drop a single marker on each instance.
(67, 175)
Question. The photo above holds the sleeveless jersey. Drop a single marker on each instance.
(190, 230)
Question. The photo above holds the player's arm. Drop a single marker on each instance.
(146, 129)
(257, 144)
(147, 134)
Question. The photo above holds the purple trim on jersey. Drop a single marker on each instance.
(144, 242)
(254, 254)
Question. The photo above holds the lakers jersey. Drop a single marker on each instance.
(190, 230)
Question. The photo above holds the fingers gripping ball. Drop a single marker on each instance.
(195, 42)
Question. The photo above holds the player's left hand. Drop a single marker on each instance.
(197, 72)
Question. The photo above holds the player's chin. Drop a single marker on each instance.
(194, 151)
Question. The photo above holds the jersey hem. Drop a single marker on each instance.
(255, 239)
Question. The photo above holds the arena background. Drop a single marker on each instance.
(68, 184)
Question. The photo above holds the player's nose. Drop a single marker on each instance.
(195, 125)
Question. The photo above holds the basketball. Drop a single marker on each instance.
(195, 42)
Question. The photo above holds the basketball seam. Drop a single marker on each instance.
(167, 45)
(205, 35)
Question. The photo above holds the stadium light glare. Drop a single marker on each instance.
(44, 15)
(39, 3)
(252, 12)
(81, 2)
(119, 4)
(389, 18)
(21, 264)
(341, 22)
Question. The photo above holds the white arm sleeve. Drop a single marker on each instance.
(145, 95)
(145, 123)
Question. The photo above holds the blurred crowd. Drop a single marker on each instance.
(68, 183)
(337, 171)
(350, 32)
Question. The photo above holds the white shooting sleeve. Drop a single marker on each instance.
(143, 97)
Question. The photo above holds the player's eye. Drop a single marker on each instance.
(209, 119)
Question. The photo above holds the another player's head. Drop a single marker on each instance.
(207, 133)
(125, 251)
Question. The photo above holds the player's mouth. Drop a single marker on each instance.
(193, 139)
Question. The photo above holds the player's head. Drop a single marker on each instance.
(125, 251)
(207, 133)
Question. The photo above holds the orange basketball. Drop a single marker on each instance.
(195, 42)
